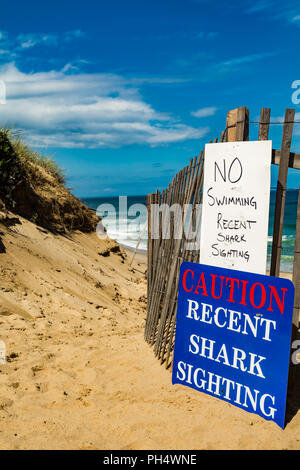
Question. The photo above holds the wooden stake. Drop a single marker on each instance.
(237, 124)
(264, 124)
(281, 192)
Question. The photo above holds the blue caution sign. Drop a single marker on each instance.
(233, 337)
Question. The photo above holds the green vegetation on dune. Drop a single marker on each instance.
(33, 186)
(27, 154)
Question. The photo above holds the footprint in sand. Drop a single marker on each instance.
(5, 403)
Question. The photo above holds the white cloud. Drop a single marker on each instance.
(204, 112)
(236, 61)
(16, 46)
(56, 109)
(259, 5)
(275, 9)
(29, 40)
(25, 41)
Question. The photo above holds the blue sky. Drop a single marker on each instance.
(123, 94)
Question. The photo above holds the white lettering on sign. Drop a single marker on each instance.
(235, 213)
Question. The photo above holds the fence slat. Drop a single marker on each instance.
(293, 372)
(160, 275)
(150, 198)
(264, 124)
(237, 125)
(186, 257)
(230, 130)
(158, 283)
(296, 267)
(173, 271)
(281, 191)
(168, 334)
(242, 124)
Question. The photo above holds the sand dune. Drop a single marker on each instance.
(79, 374)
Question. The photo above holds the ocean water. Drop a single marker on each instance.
(289, 229)
(123, 219)
(125, 222)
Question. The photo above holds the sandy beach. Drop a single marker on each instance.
(79, 374)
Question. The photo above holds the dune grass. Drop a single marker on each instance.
(27, 154)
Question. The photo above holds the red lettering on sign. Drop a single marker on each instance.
(213, 286)
(238, 291)
(184, 280)
(263, 295)
(201, 285)
(280, 303)
(232, 283)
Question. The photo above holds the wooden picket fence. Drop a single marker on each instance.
(166, 254)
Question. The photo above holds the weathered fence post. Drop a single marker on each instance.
(281, 191)
(242, 124)
(296, 280)
(237, 124)
(150, 199)
(264, 124)
(296, 268)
